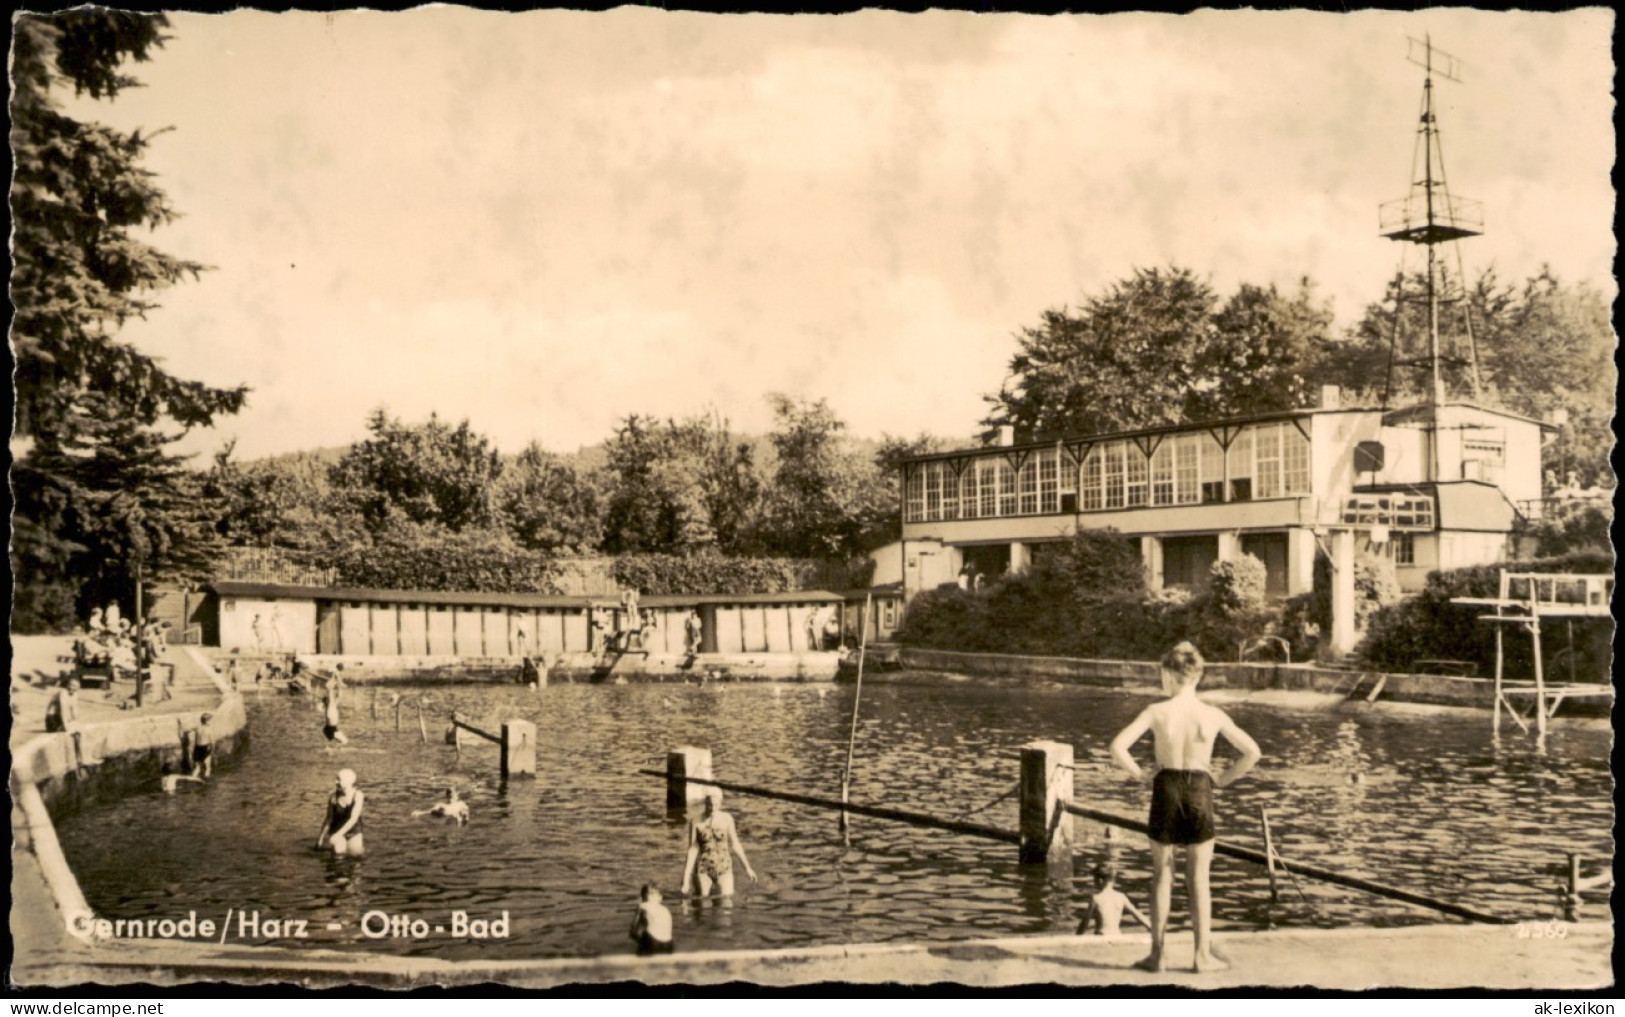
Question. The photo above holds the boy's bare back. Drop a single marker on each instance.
(1184, 730)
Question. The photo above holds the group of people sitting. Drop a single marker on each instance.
(110, 642)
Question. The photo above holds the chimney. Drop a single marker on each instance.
(1331, 397)
(1007, 435)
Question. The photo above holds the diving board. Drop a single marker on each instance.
(1526, 598)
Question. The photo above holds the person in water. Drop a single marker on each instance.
(713, 840)
(1184, 731)
(170, 781)
(203, 748)
(453, 808)
(330, 728)
(341, 829)
(651, 927)
(1107, 906)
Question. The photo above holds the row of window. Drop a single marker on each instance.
(1266, 461)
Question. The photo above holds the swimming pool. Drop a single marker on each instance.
(1438, 808)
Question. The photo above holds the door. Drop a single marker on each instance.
(327, 626)
(1269, 548)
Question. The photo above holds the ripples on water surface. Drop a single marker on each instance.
(1441, 810)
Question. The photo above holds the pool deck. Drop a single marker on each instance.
(1427, 957)
(34, 669)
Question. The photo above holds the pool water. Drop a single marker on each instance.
(1439, 808)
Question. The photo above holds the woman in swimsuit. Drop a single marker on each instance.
(342, 827)
(713, 840)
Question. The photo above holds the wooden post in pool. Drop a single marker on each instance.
(1046, 785)
(682, 763)
(518, 748)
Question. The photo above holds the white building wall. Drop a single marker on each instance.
(1332, 439)
(295, 624)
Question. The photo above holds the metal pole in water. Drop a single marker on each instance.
(1269, 853)
(857, 696)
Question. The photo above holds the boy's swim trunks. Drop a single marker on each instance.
(1182, 807)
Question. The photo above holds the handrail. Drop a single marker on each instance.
(1313, 871)
(471, 729)
(876, 811)
(1013, 837)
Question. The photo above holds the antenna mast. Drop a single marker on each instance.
(1430, 215)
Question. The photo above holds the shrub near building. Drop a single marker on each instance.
(1087, 598)
(1429, 626)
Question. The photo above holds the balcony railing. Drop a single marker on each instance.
(1395, 511)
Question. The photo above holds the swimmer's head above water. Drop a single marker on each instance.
(345, 779)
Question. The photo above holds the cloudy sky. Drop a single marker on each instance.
(543, 222)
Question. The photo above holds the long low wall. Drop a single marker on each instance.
(1016, 669)
(1013, 669)
(53, 774)
(565, 667)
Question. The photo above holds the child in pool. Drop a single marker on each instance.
(651, 928)
(453, 808)
(1107, 906)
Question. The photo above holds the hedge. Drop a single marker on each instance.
(1429, 626)
(1043, 613)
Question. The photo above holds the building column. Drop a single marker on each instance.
(1020, 557)
(1300, 561)
(1342, 634)
(1229, 545)
(1301, 548)
(1151, 558)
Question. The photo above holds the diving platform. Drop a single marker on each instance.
(1525, 599)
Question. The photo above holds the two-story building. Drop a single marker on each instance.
(1430, 486)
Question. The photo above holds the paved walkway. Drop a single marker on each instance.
(1430, 957)
(34, 671)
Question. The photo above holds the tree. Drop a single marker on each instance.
(121, 508)
(1382, 360)
(880, 503)
(824, 495)
(1125, 359)
(1159, 348)
(95, 494)
(1553, 350)
(678, 487)
(1543, 346)
(1263, 354)
(549, 505)
(78, 196)
(430, 473)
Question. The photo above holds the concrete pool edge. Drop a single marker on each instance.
(49, 767)
(1430, 956)
(1004, 670)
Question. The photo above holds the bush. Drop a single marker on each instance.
(948, 619)
(427, 558)
(1300, 626)
(704, 573)
(1572, 527)
(1430, 626)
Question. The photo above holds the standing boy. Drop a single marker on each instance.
(1184, 730)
